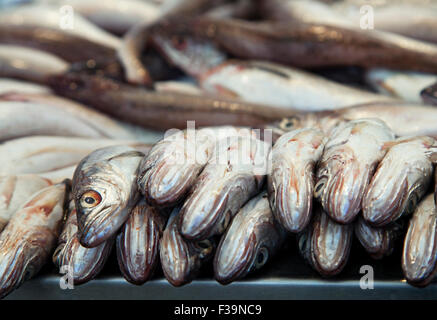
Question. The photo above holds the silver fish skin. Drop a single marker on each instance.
(400, 180)
(29, 64)
(349, 160)
(170, 169)
(105, 192)
(325, 244)
(16, 190)
(234, 174)
(252, 239)
(182, 259)
(8, 85)
(28, 240)
(84, 263)
(403, 85)
(420, 246)
(55, 17)
(291, 180)
(138, 243)
(42, 154)
(378, 242)
(280, 86)
(429, 94)
(58, 116)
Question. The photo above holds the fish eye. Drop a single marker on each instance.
(205, 246)
(261, 258)
(288, 123)
(412, 203)
(90, 199)
(179, 43)
(318, 189)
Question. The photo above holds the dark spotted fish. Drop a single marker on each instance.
(105, 192)
(182, 259)
(291, 180)
(28, 240)
(325, 244)
(420, 247)
(83, 264)
(138, 243)
(347, 165)
(252, 239)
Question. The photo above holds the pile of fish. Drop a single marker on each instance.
(304, 122)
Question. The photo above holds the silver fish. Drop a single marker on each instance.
(181, 259)
(43, 155)
(291, 180)
(234, 174)
(84, 263)
(276, 85)
(400, 181)
(347, 165)
(8, 85)
(28, 240)
(420, 247)
(325, 244)
(105, 192)
(173, 164)
(29, 64)
(14, 191)
(40, 15)
(251, 240)
(138, 243)
(400, 84)
(56, 116)
(378, 242)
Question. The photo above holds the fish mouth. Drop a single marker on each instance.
(97, 227)
(176, 260)
(230, 265)
(343, 192)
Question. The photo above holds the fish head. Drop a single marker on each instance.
(97, 200)
(194, 56)
(182, 259)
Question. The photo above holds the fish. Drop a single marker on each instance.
(181, 259)
(379, 242)
(60, 43)
(305, 45)
(400, 84)
(419, 252)
(291, 180)
(177, 87)
(349, 160)
(16, 190)
(29, 64)
(8, 85)
(273, 84)
(396, 17)
(62, 18)
(138, 243)
(242, 9)
(173, 164)
(83, 264)
(114, 16)
(26, 243)
(429, 94)
(235, 173)
(105, 192)
(325, 244)
(57, 176)
(43, 154)
(400, 180)
(57, 116)
(252, 239)
(159, 110)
